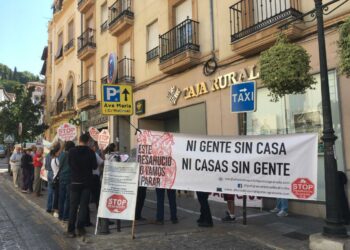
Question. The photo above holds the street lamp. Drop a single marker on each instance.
(334, 221)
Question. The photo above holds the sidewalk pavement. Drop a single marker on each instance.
(263, 228)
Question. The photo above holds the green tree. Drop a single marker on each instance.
(24, 111)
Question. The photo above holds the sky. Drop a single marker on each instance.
(23, 33)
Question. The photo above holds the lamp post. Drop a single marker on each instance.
(334, 221)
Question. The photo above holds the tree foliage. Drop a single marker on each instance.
(344, 48)
(24, 111)
(22, 77)
(284, 69)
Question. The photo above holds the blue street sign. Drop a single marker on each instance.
(112, 68)
(111, 93)
(243, 97)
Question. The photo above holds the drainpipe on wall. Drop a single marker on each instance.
(212, 27)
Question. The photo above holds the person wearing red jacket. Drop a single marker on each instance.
(38, 163)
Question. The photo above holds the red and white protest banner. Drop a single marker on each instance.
(281, 166)
(67, 132)
(103, 139)
(119, 190)
(94, 133)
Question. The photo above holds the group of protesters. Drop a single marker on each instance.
(74, 181)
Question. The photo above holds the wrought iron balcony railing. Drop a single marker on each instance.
(126, 70)
(153, 53)
(104, 26)
(69, 45)
(182, 37)
(87, 90)
(118, 9)
(104, 80)
(87, 39)
(250, 16)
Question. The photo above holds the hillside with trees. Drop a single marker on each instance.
(9, 79)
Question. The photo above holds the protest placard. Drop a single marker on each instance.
(103, 139)
(283, 166)
(94, 133)
(119, 190)
(67, 132)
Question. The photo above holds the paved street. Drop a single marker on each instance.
(24, 224)
(24, 227)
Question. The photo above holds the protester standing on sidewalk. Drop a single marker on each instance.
(28, 170)
(160, 205)
(15, 162)
(281, 207)
(205, 219)
(49, 182)
(82, 161)
(38, 163)
(96, 186)
(230, 213)
(64, 183)
(55, 165)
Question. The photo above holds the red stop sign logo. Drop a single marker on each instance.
(303, 188)
(117, 203)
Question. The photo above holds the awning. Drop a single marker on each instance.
(68, 88)
(55, 99)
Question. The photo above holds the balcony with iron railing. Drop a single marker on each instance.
(104, 80)
(104, 26)
(86, 44)
(84, 5)
(152, 54)
(179, 47)
(253, 23)
(126, 72)
(69, 46)
(86, 94)
(120, 17)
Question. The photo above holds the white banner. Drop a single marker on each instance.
(119, 190)
(281, 166)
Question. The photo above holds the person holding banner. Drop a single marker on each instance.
(160, 205)
(230, 213)
(281, 207)
(205, 219)
(82, 161)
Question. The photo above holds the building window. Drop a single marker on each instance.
(59, 52)
(104, 17)
(70, 43)
(152, 41)
(299, 114)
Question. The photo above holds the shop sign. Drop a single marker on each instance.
(140, 107)
(243, 97)
(95, 118)
(219, 83)
(116, 99)
(277, 166)
(67, 132)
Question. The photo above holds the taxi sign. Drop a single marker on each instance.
(116, 99)
(243, 97)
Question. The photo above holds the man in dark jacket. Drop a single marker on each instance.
(28, 171)
(81, 160)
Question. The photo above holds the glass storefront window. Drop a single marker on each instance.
(299, 114)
